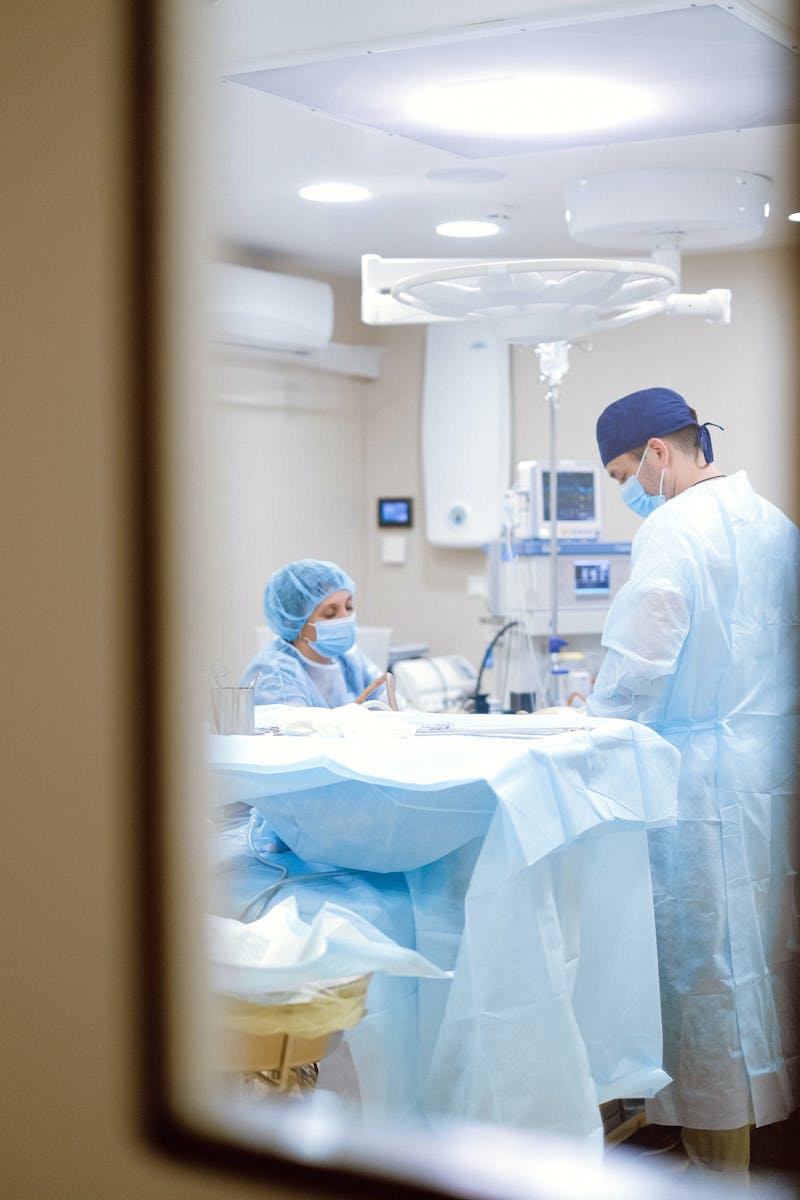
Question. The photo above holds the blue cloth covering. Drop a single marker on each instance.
(652, 412)
(507, 856)
(702, 646)
(384, 1035)
(286, 679)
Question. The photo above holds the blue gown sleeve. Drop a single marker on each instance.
(280, 686)
(646, 628)
(280, 679)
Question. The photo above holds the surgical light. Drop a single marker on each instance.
(524, 105)
(334, 193)
(794, 216)
(468, 229)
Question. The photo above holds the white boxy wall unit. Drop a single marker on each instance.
(267, 310)
(466, 436)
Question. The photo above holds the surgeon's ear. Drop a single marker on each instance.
(659, 451)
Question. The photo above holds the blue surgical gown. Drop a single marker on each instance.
(285, 678)
(702, 646)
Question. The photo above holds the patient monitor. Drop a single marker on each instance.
(579, 513)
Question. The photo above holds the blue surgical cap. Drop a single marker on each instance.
(652, 412)
(294, 592)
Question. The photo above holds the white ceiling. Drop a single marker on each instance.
(269, 146)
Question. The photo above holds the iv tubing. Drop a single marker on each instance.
(261, 899)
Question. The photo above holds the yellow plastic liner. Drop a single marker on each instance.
(318, 1009)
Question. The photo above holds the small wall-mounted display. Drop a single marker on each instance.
(592, 577)
(395, 512)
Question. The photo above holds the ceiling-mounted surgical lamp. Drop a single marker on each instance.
(667, 210)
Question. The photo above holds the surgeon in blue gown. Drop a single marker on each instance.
(313, 659)
(702, 646)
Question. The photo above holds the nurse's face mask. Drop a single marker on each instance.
(636, 498)
(334, 625)
(335, 636)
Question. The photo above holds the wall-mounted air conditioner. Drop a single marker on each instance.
(269, 311)
(285, 317)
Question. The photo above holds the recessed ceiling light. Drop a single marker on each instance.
(468, 229)
(524, 105)
(334, 193)
(794, 216)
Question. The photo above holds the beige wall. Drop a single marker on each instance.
(286, 480)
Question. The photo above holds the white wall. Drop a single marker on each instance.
(299, 464)
(425, 599)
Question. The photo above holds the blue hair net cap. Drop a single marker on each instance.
(294, 592)
(652, 412)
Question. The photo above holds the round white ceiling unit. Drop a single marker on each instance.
(691, 208)
(541, 300)
(334, 193)
(468, 229)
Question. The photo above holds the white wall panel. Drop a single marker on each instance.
(465, 433)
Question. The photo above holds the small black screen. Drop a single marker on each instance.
(395, 511)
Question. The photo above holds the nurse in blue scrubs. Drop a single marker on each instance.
(313, 660)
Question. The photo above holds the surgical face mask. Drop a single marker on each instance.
(636, 498)
(334, 636)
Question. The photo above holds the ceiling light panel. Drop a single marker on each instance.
(685, 71)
